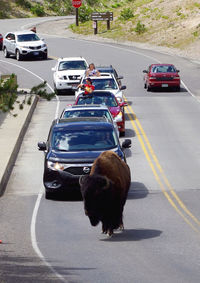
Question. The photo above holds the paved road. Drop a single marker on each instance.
(52, 241)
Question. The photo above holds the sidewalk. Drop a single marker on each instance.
(12, 131)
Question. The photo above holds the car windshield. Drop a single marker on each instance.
(109, 101)
(27, 37)
(87, 113)
(72, 65)
(163, 69)
(84, 140)
(102, 84)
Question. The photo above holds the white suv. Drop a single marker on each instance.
(105, 82)
(68, 73)
(23, 44)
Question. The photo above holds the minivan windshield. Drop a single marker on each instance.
(27, 37)
(83, 140)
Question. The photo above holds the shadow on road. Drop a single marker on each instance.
(133, 235)
(137, 191)
(30, 269)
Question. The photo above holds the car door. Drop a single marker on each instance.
(12, 43)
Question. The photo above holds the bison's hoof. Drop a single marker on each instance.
(121, 227)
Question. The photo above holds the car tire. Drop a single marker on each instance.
(48, 195)
(45, 56)
(6, 54)
(177, 88)
(149, 88)
(18, 55)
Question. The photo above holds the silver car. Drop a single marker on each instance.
(74, 111)
(23, 44)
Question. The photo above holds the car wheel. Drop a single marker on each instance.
(18, 55)
(177, 88)
(45, 57)
(148, 88)
(48, 195)
(6, 54)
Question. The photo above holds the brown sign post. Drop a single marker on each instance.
(101, 16)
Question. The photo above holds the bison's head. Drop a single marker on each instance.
(95, 190)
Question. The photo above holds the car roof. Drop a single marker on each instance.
(162, 64)
(72, 59)
(97, 93)
(86, 107)
(84, 123)
(22, 32)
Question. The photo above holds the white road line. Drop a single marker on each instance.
(37, 204)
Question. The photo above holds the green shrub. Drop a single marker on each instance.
(126, 14)
(85, 13)
(38, 10)
(24, 3)
(140, 28)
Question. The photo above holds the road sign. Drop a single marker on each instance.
(102, 16)
(76, 3)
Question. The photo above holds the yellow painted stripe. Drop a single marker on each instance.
(158, 165)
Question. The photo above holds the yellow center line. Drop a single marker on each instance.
(136, 125)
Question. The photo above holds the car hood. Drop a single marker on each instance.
(76, 157)
(71, 72)
(31, 43)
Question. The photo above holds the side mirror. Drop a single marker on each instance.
(120, 77)
(145, 71)
(126, 143)
(42, 39)
(178, 71)
(123, 87)
(123, 104)
(53, 69)
(42, 146)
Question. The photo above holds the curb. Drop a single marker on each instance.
(8, 169)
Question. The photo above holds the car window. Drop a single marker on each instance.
(87, 113)
(105, 100)
(27, 37)
(102, 84)
(72, 65)
(163, 69)
(84, 140)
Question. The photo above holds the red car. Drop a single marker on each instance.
(1, 41)
(106, 98)
(161, 76)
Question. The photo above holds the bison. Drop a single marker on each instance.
(105, 190)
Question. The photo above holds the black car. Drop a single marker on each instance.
(110, 69)
(71, 148)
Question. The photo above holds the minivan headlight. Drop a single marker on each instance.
(55, 166)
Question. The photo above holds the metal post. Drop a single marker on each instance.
(76, 16)
(108, 24)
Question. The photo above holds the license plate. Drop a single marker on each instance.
(35, 53)
(164, 85)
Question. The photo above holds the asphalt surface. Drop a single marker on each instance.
(52, 241)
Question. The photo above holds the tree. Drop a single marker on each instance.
(9, 94)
